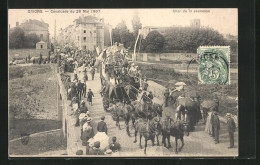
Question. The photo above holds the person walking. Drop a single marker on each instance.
(102, 126)
(166, 97)
(231, 127)
(84, 90)
(90, 95)
(215, 126)
(92, 72)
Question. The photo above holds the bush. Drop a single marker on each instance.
(153, 42)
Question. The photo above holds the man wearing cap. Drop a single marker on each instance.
(231, 127)
(95, 150)
(87, 132)
(102, 126)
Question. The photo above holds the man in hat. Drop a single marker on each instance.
(102, 126)
(87, 132)
(231, 127)
(95, 150)
(145, 85)
(83, 108)
(215, 126)
(80, 89)
(114, 146)
(90, 95)
(166, 97)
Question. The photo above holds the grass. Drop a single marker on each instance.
(38, 144)
(16, 71)
(31, 126)
(32, 100)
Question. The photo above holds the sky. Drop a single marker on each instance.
(223, 20)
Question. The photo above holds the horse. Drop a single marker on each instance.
(177, 129)
(148, 130)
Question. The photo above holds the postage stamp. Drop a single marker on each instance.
(214, 62)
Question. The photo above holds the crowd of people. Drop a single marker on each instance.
(81, 62)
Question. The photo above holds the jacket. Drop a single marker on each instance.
(102, 127)
(231, 125)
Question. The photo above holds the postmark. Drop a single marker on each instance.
(213, 65)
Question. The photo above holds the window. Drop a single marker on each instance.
(84, 39)
(84, 31)
(41, 46)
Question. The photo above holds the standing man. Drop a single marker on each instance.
(231, 126)
(87, 132)
(40, 60)
(166, 97)
(215, 126)
(92, 72)
(90, 95)
(102, 126)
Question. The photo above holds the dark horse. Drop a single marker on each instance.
(177, 129)
(148, 130)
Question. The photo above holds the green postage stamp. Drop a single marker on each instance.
(214, 62)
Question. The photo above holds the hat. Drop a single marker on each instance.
(167, 115)
(150, 91)
(87, 113)
(228, 115)
(89, 119)
(89, 89)
(109, 151)
(103, 118)
(83, 102)
(156, 119)
(97, 144)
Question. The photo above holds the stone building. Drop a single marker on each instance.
(86, 32)
(40, 28)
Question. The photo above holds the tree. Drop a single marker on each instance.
(122, 35)
(31, 40)
(136, 23)
(153, 42)
(16, 38)
(189, 39)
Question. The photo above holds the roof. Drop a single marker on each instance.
(41, 42)
(87, 19)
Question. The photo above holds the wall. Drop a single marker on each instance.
(25, 52)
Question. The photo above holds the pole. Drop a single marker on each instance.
(134, 56)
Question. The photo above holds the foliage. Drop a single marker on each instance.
(136, 23)
(189, 39)
(233, 45)
(31, 40)
(121, 34)
(16, 38)
(153, 42)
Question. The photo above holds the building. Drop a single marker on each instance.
(86, 32)
(195, 23)
(41, 45)
(40, 28)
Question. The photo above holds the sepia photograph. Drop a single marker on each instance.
(123, 82)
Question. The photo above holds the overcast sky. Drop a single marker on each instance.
(223, 20)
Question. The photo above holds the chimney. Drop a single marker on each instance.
(17, 24)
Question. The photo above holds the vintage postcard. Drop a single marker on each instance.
(123, 82)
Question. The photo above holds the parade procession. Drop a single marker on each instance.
(112, 92)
